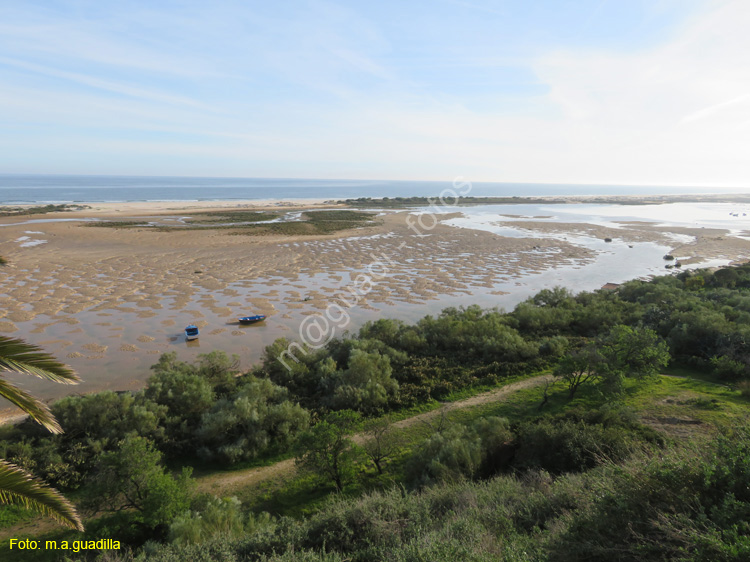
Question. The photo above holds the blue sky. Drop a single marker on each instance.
(600, 91)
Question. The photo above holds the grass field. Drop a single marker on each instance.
(680, 407)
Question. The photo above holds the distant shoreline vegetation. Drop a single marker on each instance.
(256, 223)
(397, 202)
(39, 210)
(388, 202)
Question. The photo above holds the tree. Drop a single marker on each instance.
(16, 485)
(107, 417)
(555, 297)
(258, 417)
(366, 384)
(631, 353)
(326, 450)
(382, 442)
(289, 364)
(578, 368)
(133, 479)
(728, 369)
(639, 352)
(187, 396)
(389, 331)
(625, 352)
(726, 277)
(220, 369)
(548, 384)
(695, 282)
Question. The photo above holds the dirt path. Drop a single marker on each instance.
(226, 482)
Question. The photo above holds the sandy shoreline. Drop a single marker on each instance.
(137, 208)
(109, 301)
(117, 209)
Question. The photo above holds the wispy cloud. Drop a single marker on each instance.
(711, 110)
(343, 90)
(65, 42)
(107, 85)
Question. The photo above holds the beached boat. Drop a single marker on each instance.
(252, 319)
(191, 332)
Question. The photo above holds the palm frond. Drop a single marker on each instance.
(37, 410)
(21, 357)
(18, 487)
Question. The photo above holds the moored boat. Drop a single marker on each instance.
(252, 319)
(191, 332)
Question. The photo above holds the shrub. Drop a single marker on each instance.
(133, 479)
(448, 456)
(691, 505)
(744, 388)
(568, 446)
(365, 385)
(212, 517)
(728, 369)
(497, 444)
(258, 418)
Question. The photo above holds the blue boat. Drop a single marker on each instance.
(191, 332)
(252, 319)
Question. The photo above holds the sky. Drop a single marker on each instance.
(646, 92)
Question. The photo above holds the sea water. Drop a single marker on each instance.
(22, 188)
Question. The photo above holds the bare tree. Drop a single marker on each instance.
(548, 384)
(382, 442)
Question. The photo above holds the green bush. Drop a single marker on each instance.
(451, 455)
(258, 418)
(691, 505)
(727, 369)
(366, 385)
(688, 504)
(212, 517)
(132, 480)
(568, 446)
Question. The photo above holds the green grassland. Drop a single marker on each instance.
(681, 408)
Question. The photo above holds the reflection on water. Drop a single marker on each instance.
(734, 217)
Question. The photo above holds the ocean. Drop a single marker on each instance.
(24, 189)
